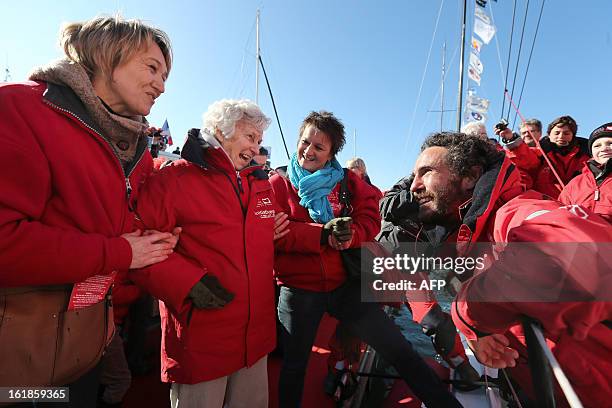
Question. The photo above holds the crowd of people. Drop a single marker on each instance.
(91, 225)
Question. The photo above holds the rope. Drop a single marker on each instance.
(564, 383)
(508, 62)
(537, 142)
(512, 390)
(518, 57)
(274, 106)
(501, 67)
(433, 37)
(529, 61)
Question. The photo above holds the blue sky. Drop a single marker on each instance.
(361, 59)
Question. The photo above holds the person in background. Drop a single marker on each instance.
(358, 166)
(216, 290)
(309, 266)
(531, 129)
(75, 155)
(593, 188)
(564, 150)
(476, 129)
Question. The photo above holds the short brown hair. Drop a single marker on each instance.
(326, 122)
(564, 121)
(103, 43)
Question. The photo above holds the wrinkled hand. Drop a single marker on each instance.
(208, 293)
(149, 249)
(281, 222)
(493, 351)
(340, 228)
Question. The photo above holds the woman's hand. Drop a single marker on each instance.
(281, 222)
(333, 242)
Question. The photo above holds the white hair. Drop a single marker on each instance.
(224, 114)
(356, 162)
(474, 128)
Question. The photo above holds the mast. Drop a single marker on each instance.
(442, 87)
(461, 62)
(257, 61)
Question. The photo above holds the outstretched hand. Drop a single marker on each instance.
(494, 351)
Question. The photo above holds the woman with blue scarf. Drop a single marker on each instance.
(309, 268)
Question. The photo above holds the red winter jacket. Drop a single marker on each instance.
(227, 233)
(63, 192)
(534, 167)
(301, 261)
(493, 301)
(589, 192)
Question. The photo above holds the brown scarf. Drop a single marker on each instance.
(122, 132)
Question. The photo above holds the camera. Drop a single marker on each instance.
(502, 125)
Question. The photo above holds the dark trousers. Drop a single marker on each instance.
(83, 393)
(300, 312)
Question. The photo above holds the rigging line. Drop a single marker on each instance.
(234, 85)
(501, 67)
(518, 57)
(423, 77)
(274, 106)
(529, 61)
(537, 142)
(435, 99)
(508, 62)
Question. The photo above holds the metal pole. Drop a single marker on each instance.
(461, 62)
(442, 86)
(257, 62)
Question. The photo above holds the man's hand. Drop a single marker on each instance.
(149, 249)
(340, 228)
(493, 351)
(281, 221)
(208, 293)
(338, 245)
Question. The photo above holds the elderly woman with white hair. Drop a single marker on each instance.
(217, 291)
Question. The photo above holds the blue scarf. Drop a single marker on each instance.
(313, 188)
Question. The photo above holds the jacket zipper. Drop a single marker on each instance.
(126, 175)
(597, 194)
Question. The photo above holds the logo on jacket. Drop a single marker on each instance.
(262, 202)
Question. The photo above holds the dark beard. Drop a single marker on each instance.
(446, 205)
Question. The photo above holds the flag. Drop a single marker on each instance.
(165, 131)
(483, 27)
(476, 45)
(472, 116)
(477, 104)
(474, 76)
(475, 63)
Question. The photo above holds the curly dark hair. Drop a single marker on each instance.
(563, 121)
(326, 122)
(464, 151)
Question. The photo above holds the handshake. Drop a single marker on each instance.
(338, 232)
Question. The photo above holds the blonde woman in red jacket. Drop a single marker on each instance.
(74, 154)
(309, 266)
(216, 290)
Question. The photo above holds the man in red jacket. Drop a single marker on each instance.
(217, 293)
(555, 269)
(557, 159)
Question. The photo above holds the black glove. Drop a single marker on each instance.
(208, 293)
(340, 228)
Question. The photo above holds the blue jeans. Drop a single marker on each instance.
(300, 312)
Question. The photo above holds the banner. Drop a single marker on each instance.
(475, 63)
(483, 27)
